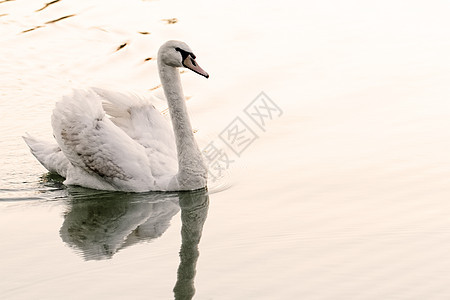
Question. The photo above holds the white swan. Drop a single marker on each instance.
(110, 141)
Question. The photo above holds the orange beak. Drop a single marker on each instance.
(190, 63)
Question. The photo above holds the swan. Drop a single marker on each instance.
(111, 141)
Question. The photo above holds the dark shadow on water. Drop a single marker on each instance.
(98, 224)
(194, 209)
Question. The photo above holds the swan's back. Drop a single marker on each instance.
(131, 150)
(144, 124)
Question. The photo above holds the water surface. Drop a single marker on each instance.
(342, 193)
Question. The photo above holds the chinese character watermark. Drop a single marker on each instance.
(262, 110)
(217, 160)
(239, 134)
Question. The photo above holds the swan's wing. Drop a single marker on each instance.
(144, 124)
(99, 150)
(48, 154)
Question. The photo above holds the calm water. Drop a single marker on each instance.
(341, 193)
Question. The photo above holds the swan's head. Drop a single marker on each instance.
(177, 54)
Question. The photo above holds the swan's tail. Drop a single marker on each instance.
(48, 154)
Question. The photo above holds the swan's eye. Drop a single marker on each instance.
(184, 53)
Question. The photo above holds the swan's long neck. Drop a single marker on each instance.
(191, 168)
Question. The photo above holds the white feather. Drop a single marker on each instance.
(48, 154)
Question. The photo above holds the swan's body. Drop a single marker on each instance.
(111, 141)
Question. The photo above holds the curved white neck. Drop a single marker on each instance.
(191, 168)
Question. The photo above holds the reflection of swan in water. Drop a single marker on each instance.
(194, 208)
(99, 224)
